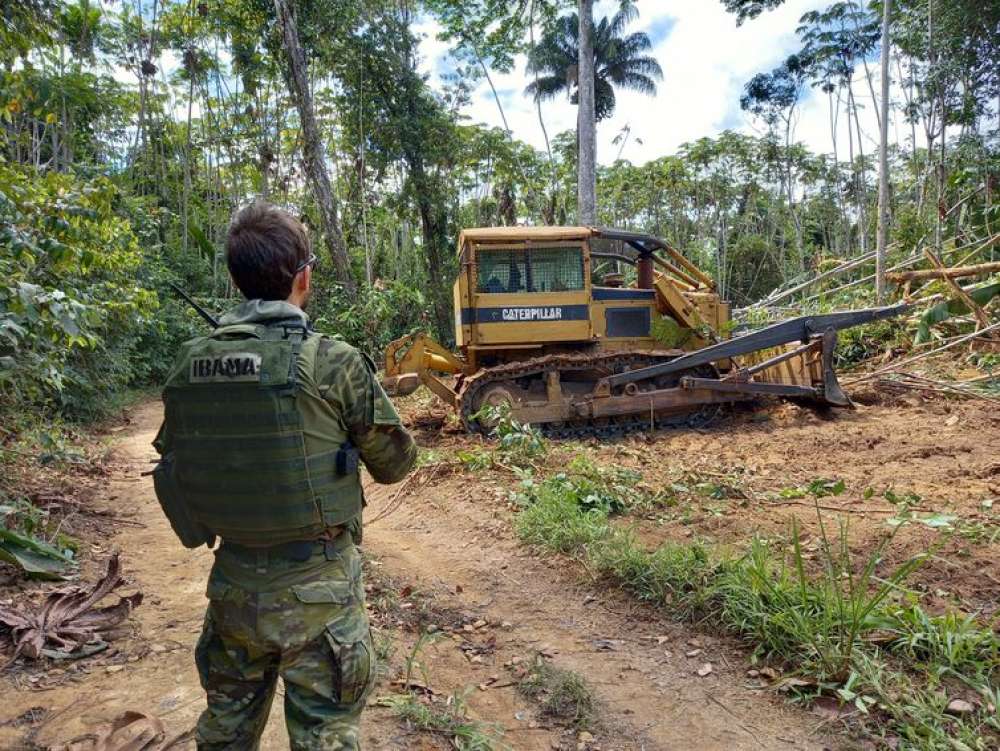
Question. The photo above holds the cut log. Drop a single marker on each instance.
(958, 272)
(960, 294)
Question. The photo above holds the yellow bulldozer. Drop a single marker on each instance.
(536, 335)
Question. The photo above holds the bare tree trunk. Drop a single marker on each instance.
(312, 147)
(834, 118)
(362, 194)
(883, 159)
(186, 198)
(860, 180)
(586, 125)
(549, 209)
(932, 58)
(792, 208)
(852, 175)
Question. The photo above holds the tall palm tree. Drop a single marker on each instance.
(618, 61)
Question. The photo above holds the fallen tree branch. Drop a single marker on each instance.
(960, 294)
(842, 268)
(896, 366)
(915, 258)
(957, 272)
(981, 379)
(922, 383)
(848, 509)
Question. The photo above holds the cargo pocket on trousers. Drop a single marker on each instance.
(351, 642)
(333, 592)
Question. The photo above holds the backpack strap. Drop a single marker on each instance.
(238, 331)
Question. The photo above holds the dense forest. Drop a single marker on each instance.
(131, 131)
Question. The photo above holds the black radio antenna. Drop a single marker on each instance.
(209, 318)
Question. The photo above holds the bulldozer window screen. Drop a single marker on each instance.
(530, 270)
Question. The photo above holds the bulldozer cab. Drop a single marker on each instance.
(521, 288)
(532, 289)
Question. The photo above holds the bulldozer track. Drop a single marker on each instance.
(604, 428)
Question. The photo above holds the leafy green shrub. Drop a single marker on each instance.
(70, 308)
(377, 316)
(590, 487)
(518, 439)
(475, 459)
(869, 340)
(23, 528)
(518, 442)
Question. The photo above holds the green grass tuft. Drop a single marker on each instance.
(560, 694)
(853, 628)
(449, 719)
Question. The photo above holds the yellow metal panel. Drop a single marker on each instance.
(520, 234)
(533, 331)
(671, 301)
(712, 310)
(456, 299)
(534, 299)
(531, 317)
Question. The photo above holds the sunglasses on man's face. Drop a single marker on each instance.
(309, 262)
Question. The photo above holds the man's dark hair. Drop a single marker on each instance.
(264, 247)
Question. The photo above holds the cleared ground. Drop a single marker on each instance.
(445, 560)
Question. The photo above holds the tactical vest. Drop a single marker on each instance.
(243, 464)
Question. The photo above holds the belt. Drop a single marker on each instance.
(297, 550)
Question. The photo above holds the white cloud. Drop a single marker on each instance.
(706, 61)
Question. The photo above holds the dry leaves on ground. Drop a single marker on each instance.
(67, 619)
(129, 731)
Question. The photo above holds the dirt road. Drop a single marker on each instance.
(456, 553)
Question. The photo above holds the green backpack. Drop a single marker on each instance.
(242, 464)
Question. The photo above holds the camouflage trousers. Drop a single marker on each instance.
(271, 616)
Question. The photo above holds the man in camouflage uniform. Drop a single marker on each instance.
(294, 608)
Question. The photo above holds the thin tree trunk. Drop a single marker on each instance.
(883, 159)
(859, 181)
(792, 208)
(852, 173)
(361, 173)
(503, 115)
(549, 209)
(834, 119)
(312, 147)
(187, 165)
(586, 125)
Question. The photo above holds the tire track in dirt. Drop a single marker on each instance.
(449, 541)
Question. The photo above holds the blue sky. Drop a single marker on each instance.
(706, 60)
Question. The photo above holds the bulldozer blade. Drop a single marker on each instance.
(796, 329)
(832, 392)
(828, 392)
(401, 385)
(750, 388)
